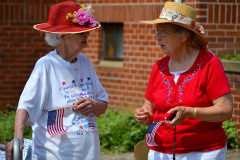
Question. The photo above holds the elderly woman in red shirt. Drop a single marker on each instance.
(189, 82)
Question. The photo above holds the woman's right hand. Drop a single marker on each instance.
(144, 114)
(141, 116)
(10, 148)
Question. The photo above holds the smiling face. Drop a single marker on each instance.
(168, 40)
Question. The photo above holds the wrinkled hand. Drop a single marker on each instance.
(10, 148)
(85, 105)
(181, 114)
(142, 116)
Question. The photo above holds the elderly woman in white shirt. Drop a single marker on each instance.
(63, 94)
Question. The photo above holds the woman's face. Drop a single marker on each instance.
(167, 39)
(76, 42)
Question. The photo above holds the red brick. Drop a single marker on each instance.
(225, 39)
(234, 12)
(232, 33)
(227, 1)
(227, 27)
(238, 14)
(233, 45)
(216, 13)
(210, 13)
(215, 33)
(222, 13)
(228, 15)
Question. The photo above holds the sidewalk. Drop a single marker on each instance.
(231, 155)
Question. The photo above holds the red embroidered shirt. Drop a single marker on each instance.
(197, 87)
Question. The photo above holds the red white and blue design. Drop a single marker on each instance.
(149, 138)
(55, 122)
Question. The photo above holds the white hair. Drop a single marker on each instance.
(52, 39)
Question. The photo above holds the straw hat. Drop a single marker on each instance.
(181, 15)
(69, 18)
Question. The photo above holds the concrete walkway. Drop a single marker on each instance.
(231, 155)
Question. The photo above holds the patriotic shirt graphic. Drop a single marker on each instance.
(55, 122)
(151, 133)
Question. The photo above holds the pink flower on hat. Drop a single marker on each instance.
(93, 23)
(82, 17)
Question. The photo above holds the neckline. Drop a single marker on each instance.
(64, 62)
(191, 69)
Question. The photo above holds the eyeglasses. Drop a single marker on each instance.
(161, 33)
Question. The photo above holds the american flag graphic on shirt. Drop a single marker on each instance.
(55, 122)
(149, 138)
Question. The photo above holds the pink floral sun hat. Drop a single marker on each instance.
(69, 18)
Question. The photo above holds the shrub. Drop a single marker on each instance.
(7, 120)
(233, 57)
(231, 131)
(119, 131)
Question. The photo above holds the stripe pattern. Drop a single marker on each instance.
(149, 138)
(55, 122)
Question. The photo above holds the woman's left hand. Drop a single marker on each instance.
(181, 114)
(87, 105)
(84, 105)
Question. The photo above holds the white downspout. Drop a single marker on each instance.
(178, 1)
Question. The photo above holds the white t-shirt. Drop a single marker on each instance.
(56, 83)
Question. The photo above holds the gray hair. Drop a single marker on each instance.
(52, 39)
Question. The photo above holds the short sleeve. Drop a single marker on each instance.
(34, 94)
(217, 82)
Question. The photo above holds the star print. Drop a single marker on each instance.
(73, 81)
(81, 80)
(63, 83)
(88, 78)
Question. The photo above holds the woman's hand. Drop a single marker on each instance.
(10, 147)
(181, 114)
(87, 105)
(20, 123)
(221, 110)
(144, 115)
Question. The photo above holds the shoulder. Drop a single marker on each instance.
(84, 60)
(83, 57)
(44, 62)
(209, 58)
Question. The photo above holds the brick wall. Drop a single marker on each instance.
(21, 45)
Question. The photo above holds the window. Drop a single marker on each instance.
(113, 41)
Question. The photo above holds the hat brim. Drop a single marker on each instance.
(64, 29)
(201, 40)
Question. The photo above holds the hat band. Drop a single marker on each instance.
(176, 17)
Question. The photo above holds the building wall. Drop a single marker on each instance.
(21, 45)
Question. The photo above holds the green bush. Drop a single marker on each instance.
(233, 57)
(7, 119)
(231, 131)
(119, 131)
